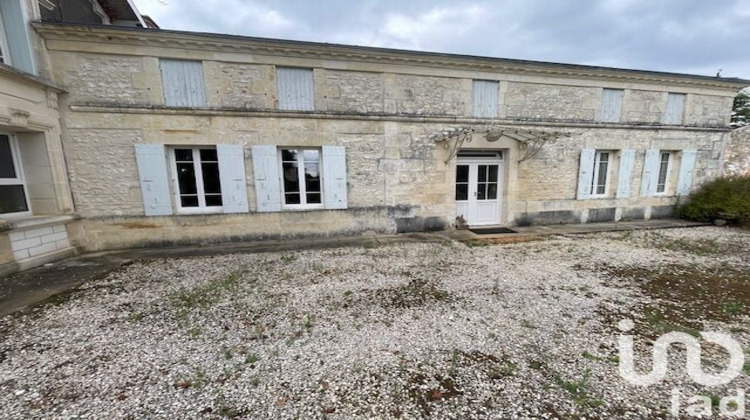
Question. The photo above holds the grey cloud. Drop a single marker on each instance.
(693, 36)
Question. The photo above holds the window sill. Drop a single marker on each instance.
(306, 208)
(26, 222)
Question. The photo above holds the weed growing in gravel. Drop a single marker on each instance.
(733, 307)
(251, 358)
(578, 389)
(527, 324)
(288, 258)
(587, 355)
(202, 296)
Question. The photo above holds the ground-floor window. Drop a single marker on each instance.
(13, 195)
(196, 173)
(665, 167)
(301, 178)
(600, 180)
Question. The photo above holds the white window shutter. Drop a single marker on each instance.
(16, 24)
(485, 93)
(334, 177)
(152, 172)
(586, 173)
(611, 105)
(267, 178)
(687, 166)
(183, 83)
(232, 177)
(650, 173)
(296, 90)
(675, 108)
(627, 162)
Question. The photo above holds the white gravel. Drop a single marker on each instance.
(400, 331)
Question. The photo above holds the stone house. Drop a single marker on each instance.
(174, 137)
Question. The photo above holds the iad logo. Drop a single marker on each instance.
(700, 405)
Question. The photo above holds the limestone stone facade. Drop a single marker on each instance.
(738, 152)
(382, 107)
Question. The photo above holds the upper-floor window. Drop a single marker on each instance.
(611, 105)
(196, 175)
(295, 89)
(4, 56)
(12, 187)
(301, 180)
(183, 83)
(485, 94)
(600, 178)
(675, 108)
(665, 170)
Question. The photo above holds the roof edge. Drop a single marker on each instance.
(238, 43)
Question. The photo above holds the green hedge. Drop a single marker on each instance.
(723, 198)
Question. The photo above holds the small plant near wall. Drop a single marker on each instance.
(722, 200)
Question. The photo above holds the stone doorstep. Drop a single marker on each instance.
(530, 233)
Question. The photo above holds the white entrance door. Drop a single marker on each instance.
(478, 188)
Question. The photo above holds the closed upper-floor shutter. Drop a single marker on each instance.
(152, 173)
(295, 89)
(485, 96)
(183, 83)
(675, 108)
(232, 177)
(334, 177)
(611, 104)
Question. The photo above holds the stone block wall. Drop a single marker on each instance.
(426, 95)
(349, 91)
(642, 106)
(706, 110)
(531, 101)
(738, 152)
(243, 86)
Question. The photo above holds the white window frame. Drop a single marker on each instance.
(5, 54)
(667, 176)
(301, 179)
(200, 189)
(595, 172)
(19, 179)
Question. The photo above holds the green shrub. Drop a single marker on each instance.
(723, 198)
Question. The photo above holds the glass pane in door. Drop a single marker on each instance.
(462, 182)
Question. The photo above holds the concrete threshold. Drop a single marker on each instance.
(30, 287)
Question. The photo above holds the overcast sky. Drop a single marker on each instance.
(690, 36)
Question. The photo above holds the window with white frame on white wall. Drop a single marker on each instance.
(197, 181)
(600, 178)
(13, 194)
(485, 98)
(675, 108)
(295, 89)
(301, 178)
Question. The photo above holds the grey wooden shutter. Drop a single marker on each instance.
(267, 178)
(650, 173)
(611, 104)
(687, 167)
(627, 163)
(183, 83)
(675, 107)
(485, 98)
(334, 177)
(232, 177)
(295, 89)
(586, 173)
(152, 173)
(16, 25)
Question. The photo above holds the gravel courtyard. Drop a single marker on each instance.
(433, 330)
